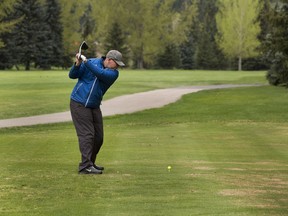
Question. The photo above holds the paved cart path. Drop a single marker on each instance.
(120, 105)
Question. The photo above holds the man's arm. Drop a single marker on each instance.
(77, 69)
(106, 75)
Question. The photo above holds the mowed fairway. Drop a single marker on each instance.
(227, 148)
(41, 92)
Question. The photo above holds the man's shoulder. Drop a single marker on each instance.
(95, 60)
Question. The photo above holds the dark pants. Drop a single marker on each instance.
(89, 128)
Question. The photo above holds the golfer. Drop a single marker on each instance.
(95, 76)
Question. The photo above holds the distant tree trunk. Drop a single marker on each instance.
(27, 65)
(140, 58)
(140, 63)
(240, 63)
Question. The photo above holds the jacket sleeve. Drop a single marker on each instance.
(106, 75)
(76, 71)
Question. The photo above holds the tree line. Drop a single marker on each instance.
(164, 34)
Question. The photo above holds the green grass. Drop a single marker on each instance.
(227, 149)
(41, 92)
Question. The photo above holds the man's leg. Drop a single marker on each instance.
(83, 121)
(98, 128)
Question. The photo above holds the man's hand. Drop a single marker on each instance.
(84, 59)
(79, 59)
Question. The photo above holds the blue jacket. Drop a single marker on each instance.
(93, 81)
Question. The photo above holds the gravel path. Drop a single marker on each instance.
(120, 105)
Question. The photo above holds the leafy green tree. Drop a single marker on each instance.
(72, 10)
(146, 26)
(239, 28)
(150, 26)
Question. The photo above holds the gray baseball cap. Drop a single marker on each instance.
(116, 56)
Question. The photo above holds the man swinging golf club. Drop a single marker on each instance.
(95, 76)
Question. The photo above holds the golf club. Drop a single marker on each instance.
(83, 46)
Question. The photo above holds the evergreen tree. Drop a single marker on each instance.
(87, 28)
(6, 25)
(28, 42)
(187, 48)
(6, 56)
(87, 23)
(188, 51)
(276, 45)
(170, 58)
(208, 55)
(116, 40)
(265, 19)
(53, 15)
